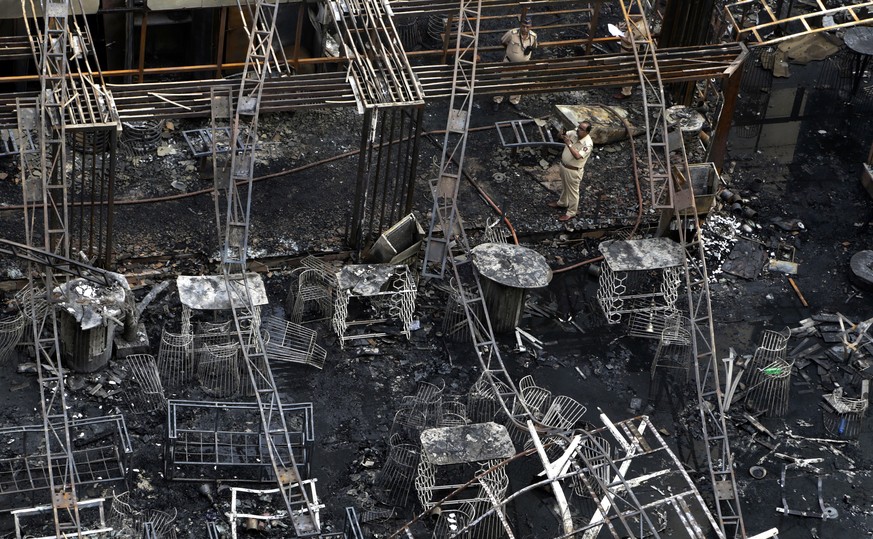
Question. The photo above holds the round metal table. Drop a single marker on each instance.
(859, 39)
(508, 272)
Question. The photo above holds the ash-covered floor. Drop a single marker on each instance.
(797, 170)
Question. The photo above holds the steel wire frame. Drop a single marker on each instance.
(103, 461)
(393, 482)
(127, 520)
(291, 343)
(418, 412)
(11, 331)
(146, 394)
(218, 368)
(453, 413)
(628, 507)
(769, 375)
(235, 516)
(641, 292)
(844, 416)
(214, 440)
(176, 359)
(94, 526)
(564, 413)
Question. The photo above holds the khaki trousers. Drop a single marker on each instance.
(570, 180)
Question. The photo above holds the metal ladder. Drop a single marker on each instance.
(674, 194)
(53, 234)
(447, 242)
(233, 229)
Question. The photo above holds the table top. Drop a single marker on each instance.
(859, 39)
(512, 265)
(367, 279)
(640, 255)
(209, 292)
(466, 443)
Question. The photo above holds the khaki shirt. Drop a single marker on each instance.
(515, 45)
(583, 146)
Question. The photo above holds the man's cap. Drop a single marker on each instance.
(635, 10)
(526, 20)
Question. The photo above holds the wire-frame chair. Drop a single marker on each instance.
(483, 404)
(11, 330)
(145, 394)
(130, 522)
(674, 348)
(564, 413)
(451, 521)
(291, 343)
(218, 369)
(769, 375)
(313, 286)
(593, 460)
(393, 482)
(176, 359)
(844, 416)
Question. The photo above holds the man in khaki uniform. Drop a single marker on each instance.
(519, 44)
(577, 149)
(640, 33)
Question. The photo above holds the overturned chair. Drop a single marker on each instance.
(291, 343)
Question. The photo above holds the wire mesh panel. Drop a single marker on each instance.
(11, 330)
(218, 369)
(769, 375)
(220, 440)
(145, 393)
(176, 359)
(100, 455)
(393, 482)
(844, 416)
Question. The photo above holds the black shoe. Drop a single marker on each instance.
(495, 106)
